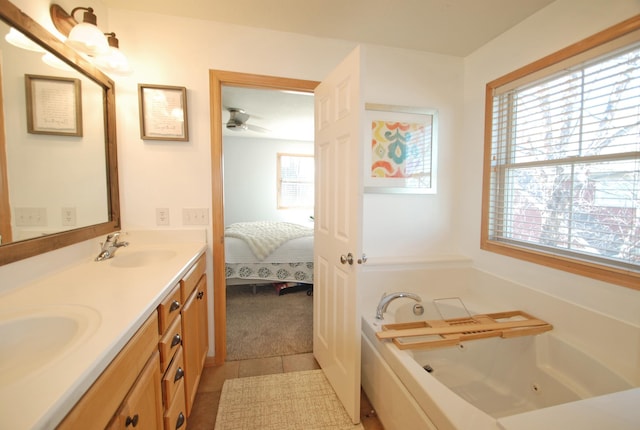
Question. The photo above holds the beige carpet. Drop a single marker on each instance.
(266, 324)
(284, 401)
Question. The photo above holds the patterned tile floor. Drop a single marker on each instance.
(205, 407)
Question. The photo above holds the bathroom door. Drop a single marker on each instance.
(338, 230)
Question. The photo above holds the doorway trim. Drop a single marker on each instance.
(218, 78)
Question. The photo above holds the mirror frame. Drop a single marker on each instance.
(15, 251)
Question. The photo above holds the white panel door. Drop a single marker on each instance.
(338, 230)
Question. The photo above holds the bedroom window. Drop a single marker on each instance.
(562, 159)
(295, 181)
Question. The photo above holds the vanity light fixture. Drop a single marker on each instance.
(51, 60)
(113, 60)
(107, 56)
(18, 39)
(86, 37)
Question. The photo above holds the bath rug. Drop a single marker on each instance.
(284, 401)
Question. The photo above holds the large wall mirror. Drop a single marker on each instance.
(58, 172)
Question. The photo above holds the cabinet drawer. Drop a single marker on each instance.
(175, 416)
(169, 309)
(190, 280)
(173, 379)
(169, 343)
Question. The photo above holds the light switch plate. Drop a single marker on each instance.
(31, 217)
(195, 216)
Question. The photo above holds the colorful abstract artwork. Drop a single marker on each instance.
(401, 151)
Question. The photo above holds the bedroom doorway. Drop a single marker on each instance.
(218, 79)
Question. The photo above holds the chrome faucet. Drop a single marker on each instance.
(388, 298)
(110, 246)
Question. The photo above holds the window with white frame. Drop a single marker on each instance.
(562, 160)
(295, 181)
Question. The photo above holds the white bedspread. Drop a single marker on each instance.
(298, 250)
(264, 237)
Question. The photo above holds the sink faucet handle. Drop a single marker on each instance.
(112, 237)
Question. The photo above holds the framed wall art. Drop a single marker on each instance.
(54, 105)
(401, 151)
(163, 112)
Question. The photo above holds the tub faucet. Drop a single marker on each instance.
(110, 246)
(388, 298)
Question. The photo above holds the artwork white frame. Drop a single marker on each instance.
(400, 154)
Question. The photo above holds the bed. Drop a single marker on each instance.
(262, 252)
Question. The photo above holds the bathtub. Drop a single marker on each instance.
(539, 381)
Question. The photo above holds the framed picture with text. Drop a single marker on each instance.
(163, 112)
(54, 105)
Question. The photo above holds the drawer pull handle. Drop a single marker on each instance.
(180, 420)
(179, 374)
(132, 421)
(200, 295)
(176, 340)
(174, 306)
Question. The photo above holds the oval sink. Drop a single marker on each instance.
(34, 338)
(142, 258)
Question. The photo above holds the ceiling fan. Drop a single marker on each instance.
(238, 121)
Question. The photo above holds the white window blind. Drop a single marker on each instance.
(565, 162)
(295, 181)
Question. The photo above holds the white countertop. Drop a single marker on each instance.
(112, 301)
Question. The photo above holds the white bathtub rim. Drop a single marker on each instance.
(450, 411)
(457, 413)
(598, 344)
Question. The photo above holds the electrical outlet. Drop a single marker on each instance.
(195, 216)
(68, 216)
(162, 216)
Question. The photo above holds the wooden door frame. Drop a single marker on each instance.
(218, 78)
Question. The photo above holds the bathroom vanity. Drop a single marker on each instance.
(86, 344)
(108, 344)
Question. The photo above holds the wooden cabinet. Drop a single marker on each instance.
(127, 372)
(152, 382)
(169, 309)
(171, 372)
(142, 408)
(169, 343)
(184, 344)
(174, 398)
(195, 340)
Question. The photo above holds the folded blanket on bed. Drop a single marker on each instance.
(264, 237)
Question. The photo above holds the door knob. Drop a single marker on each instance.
(362, 259)
(344, 259)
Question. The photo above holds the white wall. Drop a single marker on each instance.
(180, 51)
(180, 176)
(250, 180)
(560, 24)
(410, 226)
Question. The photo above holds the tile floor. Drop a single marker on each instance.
(205, 407)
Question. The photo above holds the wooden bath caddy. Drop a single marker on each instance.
(439, 333)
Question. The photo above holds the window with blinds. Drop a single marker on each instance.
(295, 181)
(562, 163)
